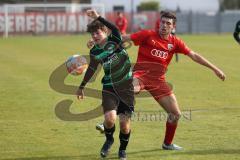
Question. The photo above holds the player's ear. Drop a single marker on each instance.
(174, 25)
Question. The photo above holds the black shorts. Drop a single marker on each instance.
(119, 98)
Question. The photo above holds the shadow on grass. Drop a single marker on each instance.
(80, 157)
(140, 153)
(160, 152)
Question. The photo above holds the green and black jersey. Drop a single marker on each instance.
(237, 32)
(113, 57)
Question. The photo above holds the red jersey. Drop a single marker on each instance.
(155, 53)
(121, 23)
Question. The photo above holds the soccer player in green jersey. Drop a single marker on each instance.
(236, 32)
(117, 94)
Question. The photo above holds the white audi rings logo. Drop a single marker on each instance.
(160, 54)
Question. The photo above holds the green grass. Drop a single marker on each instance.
(30, 130)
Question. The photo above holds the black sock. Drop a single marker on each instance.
(109, 133)
(124, 138)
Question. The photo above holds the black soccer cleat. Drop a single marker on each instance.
(105, 148)
(122, 155)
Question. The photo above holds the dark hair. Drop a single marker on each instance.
(169, 15)
(95, 25)
(162, 12)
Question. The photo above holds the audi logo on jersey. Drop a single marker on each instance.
(160, 54)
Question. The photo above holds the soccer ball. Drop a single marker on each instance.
(76, 65)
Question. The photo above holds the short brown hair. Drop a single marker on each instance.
(95, 25)
(169, 15)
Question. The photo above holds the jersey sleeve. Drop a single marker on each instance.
(112, 27)
(181, 47)
(90, 71)
(140, 37)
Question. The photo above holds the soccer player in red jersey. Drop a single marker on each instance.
(156, 50)
(121, 23)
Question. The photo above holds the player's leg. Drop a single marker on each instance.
(170, 105)
(109, 103)
(109, 127)
(138, 86)
(125, 110)
(124, 135)
(162, 93)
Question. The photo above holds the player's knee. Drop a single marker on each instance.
(109, 123)
(124, 123)
(124, 128)
(174, 117)
(110, 118)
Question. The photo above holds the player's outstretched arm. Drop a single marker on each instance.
(203, 61)
(80, 93)
(88, 75)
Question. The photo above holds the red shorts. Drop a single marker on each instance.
(156, 86)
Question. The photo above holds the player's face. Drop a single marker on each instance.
(99, 37)
(120, 15)
(166, 26)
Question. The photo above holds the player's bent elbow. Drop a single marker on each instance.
(193, 55)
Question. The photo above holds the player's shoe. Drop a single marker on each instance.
(171, 147)
(105, 148)
(122, 155)
(100, 128)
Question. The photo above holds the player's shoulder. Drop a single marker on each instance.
(175, 38)
(176, 41)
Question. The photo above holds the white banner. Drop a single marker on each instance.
(49, 22)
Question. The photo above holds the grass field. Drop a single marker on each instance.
(30, 129)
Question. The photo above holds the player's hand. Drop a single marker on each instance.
(90, 43)
(80, 94)
(92, 13)
(220, 74)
